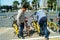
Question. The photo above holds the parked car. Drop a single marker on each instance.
(3, 10)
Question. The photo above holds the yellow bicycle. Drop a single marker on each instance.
(52, 25)
(36, 26)
(15, 26)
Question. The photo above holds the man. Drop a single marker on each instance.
(21, 19)
(42, 20)
(59, 21)
(59, 18)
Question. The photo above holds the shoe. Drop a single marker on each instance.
(47, 38)
(48, 32)
(18, 35)
(21, 37)
(40, 34)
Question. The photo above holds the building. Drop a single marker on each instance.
(58, 2)
(43, 3)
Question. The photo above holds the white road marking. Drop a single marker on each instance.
(50, 30)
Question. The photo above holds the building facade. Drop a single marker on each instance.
(43, 3)
(58, 2)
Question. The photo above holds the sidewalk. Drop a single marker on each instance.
(4, 29)
(39, 38)
(6, 33)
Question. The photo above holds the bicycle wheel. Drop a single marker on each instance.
(35, 26)
(53, 26)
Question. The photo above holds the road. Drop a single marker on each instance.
(7, 32)
(6, 22)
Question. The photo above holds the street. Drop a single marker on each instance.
(7, 31)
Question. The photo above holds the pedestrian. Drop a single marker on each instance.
(58, 18)
(21, 19)
(42, 21)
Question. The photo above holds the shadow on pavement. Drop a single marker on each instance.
(32, 32)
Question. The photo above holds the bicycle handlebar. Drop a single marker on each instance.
(13, 16)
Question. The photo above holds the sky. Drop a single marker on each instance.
(10, 2)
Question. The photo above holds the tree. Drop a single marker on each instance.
(38, 5)
(50, 4)
(29, 7)
(6, 7)
(23, 2)
(0, 7)
(15, 3)
(35, 4)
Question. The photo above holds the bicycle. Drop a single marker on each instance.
(15, 26)
(52, 25)
(35, 25)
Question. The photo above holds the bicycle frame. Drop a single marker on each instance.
(53, 25)
(15, 26)
(36, 25)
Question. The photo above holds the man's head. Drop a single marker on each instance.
(24, 8)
